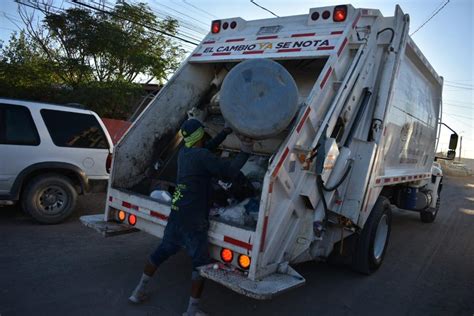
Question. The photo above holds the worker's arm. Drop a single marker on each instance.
(218, 139)
(220, 168)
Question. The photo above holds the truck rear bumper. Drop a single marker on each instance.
(266, 288)
(107, 229)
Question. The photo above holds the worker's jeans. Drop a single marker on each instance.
(175, 238)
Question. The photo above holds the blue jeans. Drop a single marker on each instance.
(175, 238)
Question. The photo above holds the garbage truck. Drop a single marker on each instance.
(345, 111)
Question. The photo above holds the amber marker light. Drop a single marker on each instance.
(226, 255)
(121, 216)
(244, 261)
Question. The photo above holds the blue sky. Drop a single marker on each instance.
(446, 40)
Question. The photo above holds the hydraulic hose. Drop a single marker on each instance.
(320, 186)
(344, 176)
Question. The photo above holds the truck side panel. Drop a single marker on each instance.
(411, 120)
(133, 155)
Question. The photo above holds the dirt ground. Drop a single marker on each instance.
(68, 269)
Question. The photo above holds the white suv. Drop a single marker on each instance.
(48, 155)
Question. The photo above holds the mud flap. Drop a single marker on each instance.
(263, 289)
(106, 229)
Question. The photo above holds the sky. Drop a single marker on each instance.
(446, 40)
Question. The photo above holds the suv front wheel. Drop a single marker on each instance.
(49, 198)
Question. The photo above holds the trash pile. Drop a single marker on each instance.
(235, 202)
(244, 213)
(238, 202)
(161, 196)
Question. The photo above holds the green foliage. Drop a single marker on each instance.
(96, 59)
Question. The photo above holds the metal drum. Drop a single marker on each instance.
(259, 98)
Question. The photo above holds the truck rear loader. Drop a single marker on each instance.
(345, 110)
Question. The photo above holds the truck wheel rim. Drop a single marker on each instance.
(381, 237)
(53, 200)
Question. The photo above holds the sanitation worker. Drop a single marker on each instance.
(188, 222)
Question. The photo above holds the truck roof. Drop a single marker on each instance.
(311, 35)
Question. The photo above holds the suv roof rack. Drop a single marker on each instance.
(77, 106)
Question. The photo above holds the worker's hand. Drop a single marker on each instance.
(227, 129)
(246, 144)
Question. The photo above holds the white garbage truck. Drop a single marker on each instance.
(345, 111)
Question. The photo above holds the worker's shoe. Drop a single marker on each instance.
(139, 295)
(196, 313)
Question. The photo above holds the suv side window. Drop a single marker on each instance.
(17, 126)
(69, 129)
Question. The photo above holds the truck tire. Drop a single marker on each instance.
(429, 215)
(373, 240)
(49, 198)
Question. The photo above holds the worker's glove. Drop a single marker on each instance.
(246, 144)
(227, 129)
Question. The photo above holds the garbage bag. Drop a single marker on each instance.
(160, 195)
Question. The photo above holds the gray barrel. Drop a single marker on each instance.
(258, 98)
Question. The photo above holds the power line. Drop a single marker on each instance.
(459, 116)
(262, 7)
(459, 87)
(10, 16)
(133, 21)
(429, 19)
(181, 13)
(459, 84)
(457, 101)
(182, 23)
(7, 28)
(458, 81)
(105, 4)
(459, 106)
(200, 10)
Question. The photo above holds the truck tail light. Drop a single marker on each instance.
(216, 26)
(244, 261)
(340, 13)
(226, 255)
(326, 14)
(132, 219)
(121, 216)
(108, 163)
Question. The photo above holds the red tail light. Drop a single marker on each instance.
(132, 219)
(216, 26)
(108, 163)
(226, 255)
(340, 13)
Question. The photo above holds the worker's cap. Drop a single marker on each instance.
(192, 131)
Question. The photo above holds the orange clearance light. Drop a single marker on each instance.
(132, 219)
(340, 13)
(121, 215)
(216, 26)
(226, 255)
(244, 261)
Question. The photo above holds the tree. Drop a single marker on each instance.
(23, 68)
(121, 45)
(93, 58)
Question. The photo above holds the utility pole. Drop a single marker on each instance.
(460, 148)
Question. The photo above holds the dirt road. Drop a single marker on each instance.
(68, 269)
